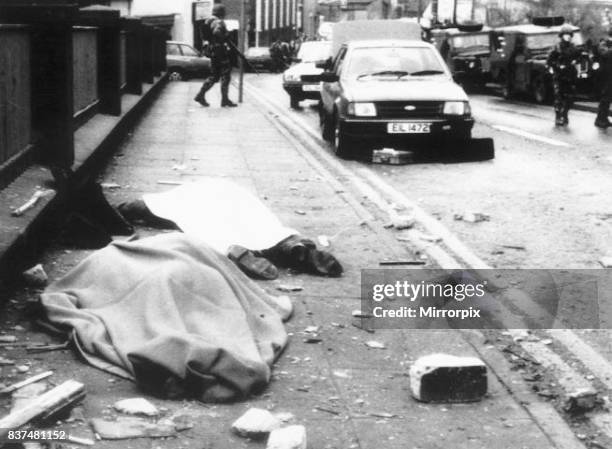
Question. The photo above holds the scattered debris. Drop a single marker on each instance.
(312, 329)
(41, 347)
(25, 382)
(327, 410)
(313, 340)
(375, 344)
(256, 423)
(391, 156)
(342, 374)
(547, 341)
(472, 217)
(79, 440)
(289, 288)
(427, 237)
(516, 247)
(4, 362)
(581, 400)
(290, 437)
(383, 415)
(136, 406)
(401, 262)
(36, 276)
(131, 427)
(31, 202)
(300, 212)
(22, 368)
(179, 167)
(448, 378)
(8, 339)
(45, 406)
(323, 241)
(403, 222)
(284, 416)
(110, 185)
(606, 261)
(361, 314)
(170, 183)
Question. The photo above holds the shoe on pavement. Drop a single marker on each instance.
(201, 100)
(253, 266)
(228, 104)
(603, 123)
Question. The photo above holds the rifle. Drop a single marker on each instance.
(244, 58)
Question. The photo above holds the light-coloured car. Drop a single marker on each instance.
(309, 54)
(184, 61)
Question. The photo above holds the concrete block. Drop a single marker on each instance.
(447, 378)
(256, 423)
(291, 437)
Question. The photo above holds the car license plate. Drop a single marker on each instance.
(311, 87)
(408, 128)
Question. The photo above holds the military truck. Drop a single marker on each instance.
(467, 52)
(518, 62)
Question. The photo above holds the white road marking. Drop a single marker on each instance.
(528, 135)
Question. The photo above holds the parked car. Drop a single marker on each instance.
(309, 54)
(392, 93)
(259, 58)
(184, 61)
(467, 52)
(518, 64)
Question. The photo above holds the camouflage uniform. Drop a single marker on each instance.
(561, 60)
(605, 53)
(221, 66)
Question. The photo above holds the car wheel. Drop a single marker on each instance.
(327, 130)
(540, 91)
(175, 74)
(342, 144)
(295, 102)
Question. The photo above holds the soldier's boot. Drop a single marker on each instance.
(602, 120)
(226, 103)
(559, 119)
(201, 99)
(565, 115)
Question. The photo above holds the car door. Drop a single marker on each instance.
(330, 91)
(190, 58)
(173, 55)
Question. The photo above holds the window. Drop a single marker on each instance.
(173, 49)
(189, 51)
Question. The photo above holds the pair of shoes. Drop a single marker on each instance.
(200, 99)
(228, 104)
(253, 266)
(559, 121)
(603, 124)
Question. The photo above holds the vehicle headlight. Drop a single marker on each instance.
(291, 77)
(362, 109)
(456, 108)
(596, 66)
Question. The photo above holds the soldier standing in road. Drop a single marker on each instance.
(605, 55)
(221, 66)
(560, 63)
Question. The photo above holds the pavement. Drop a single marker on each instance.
(347, 394)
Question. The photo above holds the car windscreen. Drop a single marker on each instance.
(392, 61)
(470, 42)
(258, 51)
(314, 51)
(549, 40)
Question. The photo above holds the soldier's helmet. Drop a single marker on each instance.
(566, 29)
(218, 10)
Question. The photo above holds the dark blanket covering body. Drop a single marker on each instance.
(173, 313)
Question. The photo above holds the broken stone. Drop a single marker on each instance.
(403, 222)
(581, 400)
(606, 261)
(383, 415)
(290, 437)
(136, 406)
(323, 241)
(448, 378)
(256, 423)
(360, 314)
(341, 373)
(22, 368)
(375, 344)
(4, 362)
(312, 329)
(472, 217)
(313, 339)
(8, 339)
(131, 427)
(300, 212)
(36, 276)
(284, 416)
